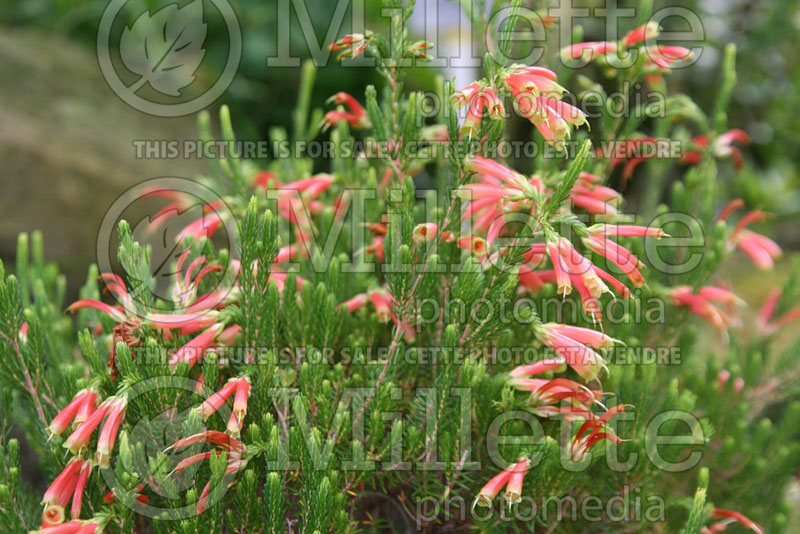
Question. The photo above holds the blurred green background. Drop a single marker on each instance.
(66, 139)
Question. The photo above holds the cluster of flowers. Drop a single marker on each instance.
(536, 94)
(85, 415)
(658, 59)
(202, 318)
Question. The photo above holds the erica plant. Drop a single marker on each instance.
(424, 331)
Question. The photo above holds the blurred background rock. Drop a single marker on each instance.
(66, 140)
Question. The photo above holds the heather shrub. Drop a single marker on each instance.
(437, 333)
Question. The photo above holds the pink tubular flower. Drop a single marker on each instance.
(576, 352)
(463, 97)
(73, 527)
(80, 486)
(536, 92)
(356, 117)
(382, 302)
(359, 301)
(479, 100)
(642, 33)
(618, 255)
(52, 516)
(626, 230)
(215, 437)
(425, 232)
(216, 400)
(580, 266)
(60, 490)
(766, 322)
(206, 226)
(81, 436)
(532, 280)
(108, 434)
(581, 443)
(352, 45)
(588, 51)
(491, 168)
(761, 250)
(730, 516)
(474, 244)
(240, 399)
(701, 303)
(560, 269)
(492, 488)
(202, 503)
(545, 394)
(513, 492)
(596, 199)
(61, 421)
(542, 366)
(193, 350)
(87, 407)
(114, 312)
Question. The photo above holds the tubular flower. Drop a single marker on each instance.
(239, 406)
(234, 466)
(702, 304)
(583, 441)
(184, 289)
(181, 202)
(513, 492)
(233, 445)
(356, 117)
(81, 407)
(111, 496)
(545, 394)
(425, 232)
(578, 265)
(587, 51)
(599, 241)
(61, 489)
(642, 33)
(80, 486)
(478, 100)
(216, 400)
(571, 269)
(560, 268)
(474, 244)
(723, 147)
(592, 197)
(504, 175)
(728, 517)
(491, 489)
(382, 302)
(761, 250)
(193, 350)
(621, 257)
(235, 448)
(353, 304)
(766, 321)
(352, 45)
(532, 280)
(108, 434)
(73, 527)
(81, 436)
(536, 93)
(574, 345)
